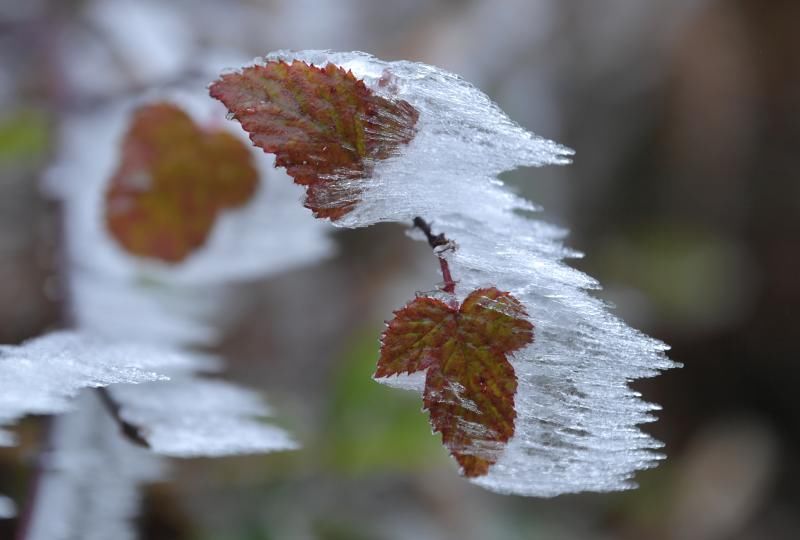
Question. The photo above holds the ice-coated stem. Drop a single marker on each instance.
(131, 431)
(438, 241)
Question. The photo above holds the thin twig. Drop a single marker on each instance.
(437, 241)
(131, 431)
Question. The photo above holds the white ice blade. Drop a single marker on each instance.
(43, 375)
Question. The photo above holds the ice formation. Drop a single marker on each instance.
(42, 375)
(180, 414)
(577, 419)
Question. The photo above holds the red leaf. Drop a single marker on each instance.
(172, 181)
(470, 384)
(324, 125)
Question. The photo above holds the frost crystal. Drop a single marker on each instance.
(41, 376)
(576, 427)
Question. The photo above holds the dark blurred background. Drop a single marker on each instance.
(684, 194)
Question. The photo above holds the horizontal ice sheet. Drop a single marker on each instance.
(42, 375)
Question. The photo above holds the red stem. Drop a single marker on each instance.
(449, 284)
(436, 241)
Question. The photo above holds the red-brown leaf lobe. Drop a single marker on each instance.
(323, 125)
(172, 181)
(470, 384)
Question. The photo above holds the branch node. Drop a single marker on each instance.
(440, 244)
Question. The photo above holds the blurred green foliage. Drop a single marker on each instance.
(693, 277)
(374, 427)
(332, 530)
(24, 135)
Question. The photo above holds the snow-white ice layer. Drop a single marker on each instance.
(179, 413)
(43, 375)
(577, 419)
(89, 487)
